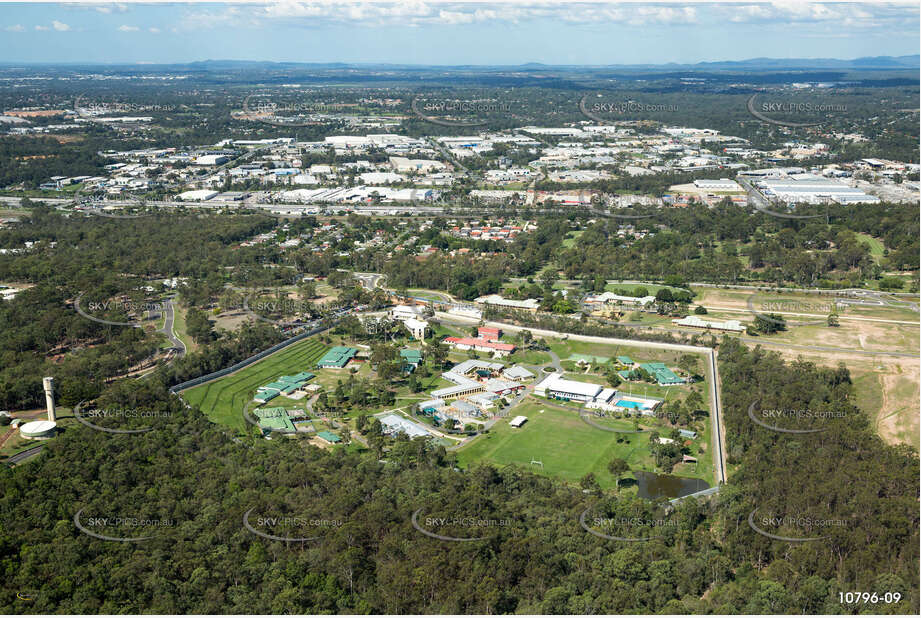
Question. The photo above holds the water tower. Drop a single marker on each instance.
(49, 397)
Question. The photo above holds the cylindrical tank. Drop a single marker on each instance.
(49, 397)
(38, 430)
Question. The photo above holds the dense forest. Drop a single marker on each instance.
(190, 484)
(98, 258)
(710, 244)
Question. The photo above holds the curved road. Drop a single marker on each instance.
(169, 328)
(23, 455)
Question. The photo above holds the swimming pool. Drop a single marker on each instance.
(623, 403)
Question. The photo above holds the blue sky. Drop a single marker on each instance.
(437, 32)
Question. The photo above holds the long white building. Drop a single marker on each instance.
(812, 189)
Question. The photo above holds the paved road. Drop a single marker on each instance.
(719, 428)
(555, 360)
(369, 280)
(24, 455)
(169, 327)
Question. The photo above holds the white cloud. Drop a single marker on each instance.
(42, 28)
(417, 12)
(377, 13)
(99, 7)
(128, 28)
(787, 12)
(153, 30)
(15, 28)
(60, 26)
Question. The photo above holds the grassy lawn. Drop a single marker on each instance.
(222, 401)
(638, 353)
(16, 443)
(179, 325)
(571, 238)
(568, 447)
(876, 246)
(431, 295)
(652, 288)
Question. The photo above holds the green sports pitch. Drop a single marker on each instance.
(223, 400)
(565, 446)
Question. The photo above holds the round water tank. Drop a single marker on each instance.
(38, 429)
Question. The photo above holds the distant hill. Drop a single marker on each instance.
(774, 64)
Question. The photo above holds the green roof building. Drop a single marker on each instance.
(411, 356)
(284, 384)
(337, 357)
(662, 374)
(329, 437)
(624, 360)
(274, 419)
(410, 359)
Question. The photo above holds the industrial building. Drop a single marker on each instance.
(530, 304)
(723, 184)
(812, 189)
(199, 195)
(695, 322)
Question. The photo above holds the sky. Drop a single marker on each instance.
(450, 33)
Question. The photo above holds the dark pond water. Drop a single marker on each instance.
(651, 485)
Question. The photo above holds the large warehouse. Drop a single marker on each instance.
(812, 189)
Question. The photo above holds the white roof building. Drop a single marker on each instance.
(396, 424)
(406, 312)
(381, 177)
(723, 184)
(611, 298)
(555, 385)
(416, 328)
(199, 195)
(530, 304)
(696, 322)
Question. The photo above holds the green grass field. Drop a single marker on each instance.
(876, 245)
(222, 400)
(571, 238)
(568, 447)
